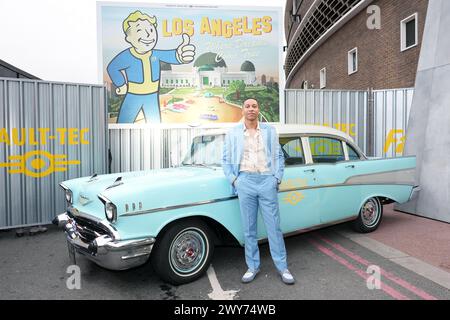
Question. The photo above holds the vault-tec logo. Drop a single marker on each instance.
(294, 196)
(40, 163)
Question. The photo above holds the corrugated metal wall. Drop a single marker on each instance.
(45, 128)
(342, 110)
(53, 109)
(135, 148)
(391, 113)
(145, 148)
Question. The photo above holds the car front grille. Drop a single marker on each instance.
(88, 229)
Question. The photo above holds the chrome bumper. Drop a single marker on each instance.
(104, 250)
(414, 193)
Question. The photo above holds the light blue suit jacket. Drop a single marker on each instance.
(234, 148)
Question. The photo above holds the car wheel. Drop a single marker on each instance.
(184, 252)
(369, 217)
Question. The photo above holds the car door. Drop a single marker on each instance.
(298, 204)
(338, 201)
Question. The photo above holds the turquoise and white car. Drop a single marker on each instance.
(175, 217)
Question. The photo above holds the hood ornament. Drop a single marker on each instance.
(84, 200)
(93, 177)
(116, 183)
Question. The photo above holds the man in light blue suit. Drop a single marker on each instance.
(253, 162)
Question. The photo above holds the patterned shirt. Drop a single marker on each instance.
(254, 155)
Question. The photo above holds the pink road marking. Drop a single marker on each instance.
(405, 284)
(389, 290)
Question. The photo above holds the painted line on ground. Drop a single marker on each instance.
(218, 293)
(386, 288)
(401, 282)
(420, 267)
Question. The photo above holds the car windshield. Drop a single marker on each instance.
(205, 150)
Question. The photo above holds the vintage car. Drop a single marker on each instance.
(176, 216)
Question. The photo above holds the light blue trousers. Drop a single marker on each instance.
(256, 190)
(133, 103)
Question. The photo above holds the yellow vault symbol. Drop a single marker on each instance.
(294, 197)
(38, 164)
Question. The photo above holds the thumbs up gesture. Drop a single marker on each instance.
(186, 51)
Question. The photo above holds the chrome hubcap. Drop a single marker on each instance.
(370, 213)
(187, 251)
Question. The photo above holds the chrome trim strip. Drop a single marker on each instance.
(414, 193)
(343, 185)
(178, 206)
(130, 244)
(385, 176)
(199, 203)
(137, 255)
(103, 198)
(81, 214)
(350, 161)
(62, 185)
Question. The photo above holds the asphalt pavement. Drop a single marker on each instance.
(327, 264)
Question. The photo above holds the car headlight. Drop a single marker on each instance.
(110, 211)
(68, 193)
(110, 208)
(69, 196)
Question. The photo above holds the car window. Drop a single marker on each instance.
(293, 151)
(352, 154)
(326, 150)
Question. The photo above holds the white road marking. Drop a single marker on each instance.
(218, 293)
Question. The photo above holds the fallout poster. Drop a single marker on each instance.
(167, 64)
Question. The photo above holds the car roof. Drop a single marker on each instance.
(285, 129)
(288, 129)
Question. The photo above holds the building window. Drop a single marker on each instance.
(409, 32)
(323, 78)
(353, 61)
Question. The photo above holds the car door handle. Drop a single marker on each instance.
(352, 166)
(310, 170)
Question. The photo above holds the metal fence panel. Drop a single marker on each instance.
(391, 114)
(145, 148)
(348, 111)
(342, 110)
(50, 132)
(135, 148)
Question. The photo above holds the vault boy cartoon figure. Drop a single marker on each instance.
(136, 71)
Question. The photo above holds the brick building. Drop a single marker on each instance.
(341, 44)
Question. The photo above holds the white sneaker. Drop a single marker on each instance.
(249, 276)
(287, 277)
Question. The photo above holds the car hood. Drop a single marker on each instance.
(148, 190)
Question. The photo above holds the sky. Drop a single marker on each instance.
(56, 40)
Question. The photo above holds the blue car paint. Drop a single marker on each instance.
(320, 203)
